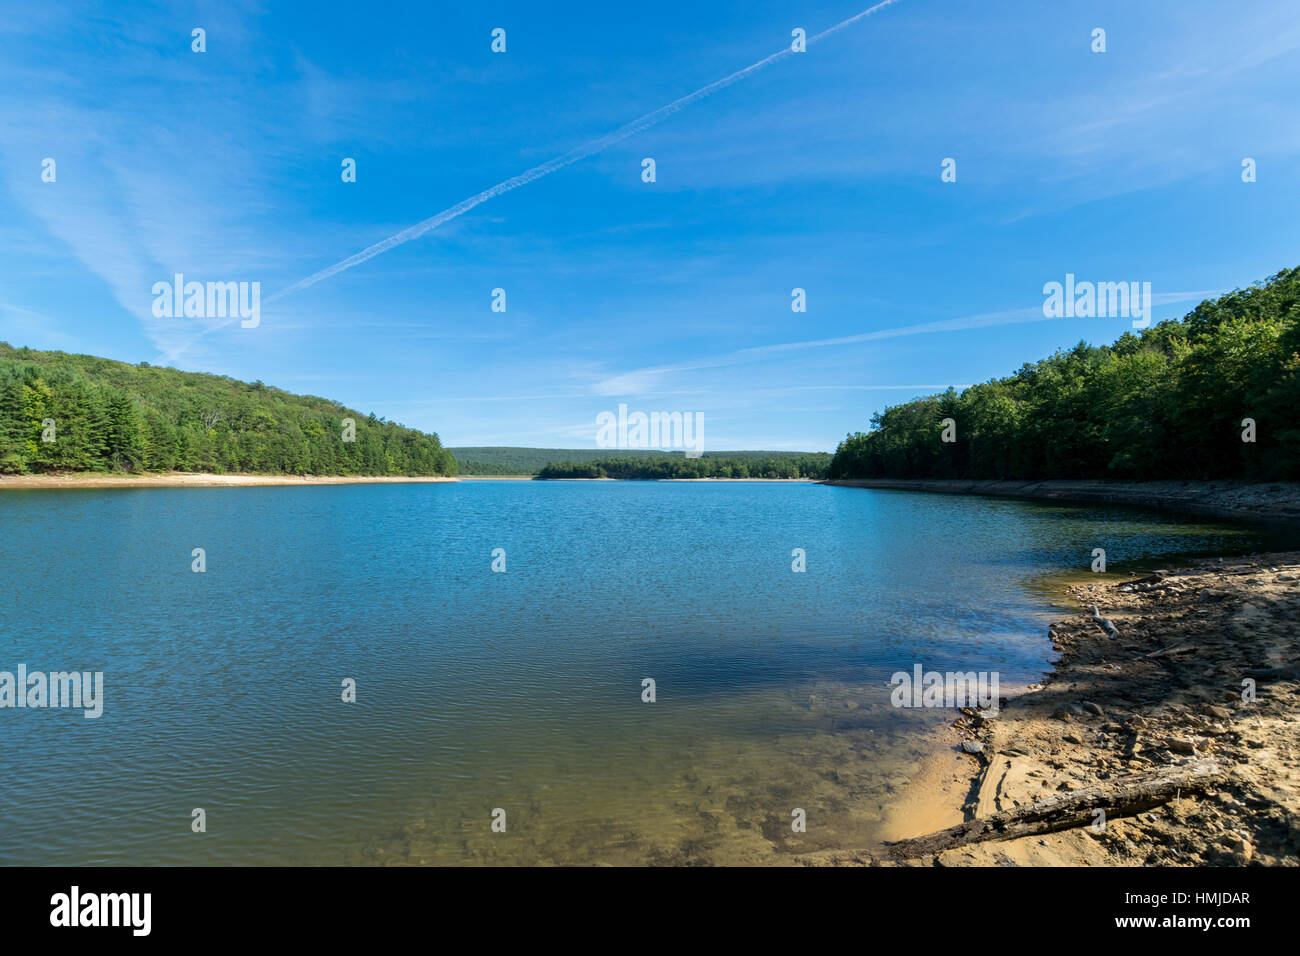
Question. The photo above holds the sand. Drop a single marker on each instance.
(186, 479)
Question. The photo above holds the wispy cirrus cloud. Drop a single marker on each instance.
(647, 379)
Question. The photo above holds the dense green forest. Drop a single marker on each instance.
(471, 466)
(809, 465)
(510, 460)
(61, 412)
(1168, 402)
(506, 460)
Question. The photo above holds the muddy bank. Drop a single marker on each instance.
(186, 479)
(1166, 694)
(1264, 501)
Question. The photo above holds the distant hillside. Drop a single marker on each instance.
(664, 468)
(82, 413)
(505, 460)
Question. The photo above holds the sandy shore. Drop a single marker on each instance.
(1266, 501)
(1164, 694)
(185, 479)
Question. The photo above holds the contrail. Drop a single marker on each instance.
(619, 384)
(569, 158)
(537, 172)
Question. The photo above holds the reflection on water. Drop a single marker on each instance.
(520, 691)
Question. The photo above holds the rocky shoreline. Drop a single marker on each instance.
(1273, 501)
(1184, 727)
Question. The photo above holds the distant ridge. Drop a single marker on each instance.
(511, 460)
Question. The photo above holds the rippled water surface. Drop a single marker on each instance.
(519, 690)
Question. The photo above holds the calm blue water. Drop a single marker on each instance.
(518, 690)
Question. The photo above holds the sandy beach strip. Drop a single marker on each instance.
(184, 479)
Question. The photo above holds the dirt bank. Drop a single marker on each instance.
(1166, 693)
(1266, 501)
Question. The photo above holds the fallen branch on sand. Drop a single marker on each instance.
(1104, 623)
(1122, 796)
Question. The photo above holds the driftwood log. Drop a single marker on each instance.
(1063, 811)
(1105, 623)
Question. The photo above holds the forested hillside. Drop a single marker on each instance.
(1168, 402)
(82, 413)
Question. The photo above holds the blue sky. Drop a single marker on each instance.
(820, 171)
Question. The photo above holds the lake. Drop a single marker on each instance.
(521, 691)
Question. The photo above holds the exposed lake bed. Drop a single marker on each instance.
(1172, 742)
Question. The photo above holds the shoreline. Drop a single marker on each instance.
(686, 481)
(185, 479)
(1272, 501)
(1163, 699)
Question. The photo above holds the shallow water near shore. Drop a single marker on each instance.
(519, 691)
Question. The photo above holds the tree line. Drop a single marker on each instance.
(813, 465)
(505, 460)
(62, 412)
(1213, 395)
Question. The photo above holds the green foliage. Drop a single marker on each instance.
(1165, 403)
(505, 460)
(110, 416)
(471, 466)
(647, 468)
